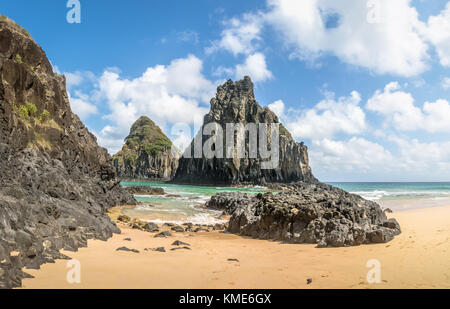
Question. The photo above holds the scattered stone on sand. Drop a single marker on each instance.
(309, 281)
(233, 260)
(181, 248)
(127, 250)
(127, 239)
(159, 249)
(164, 234)
(124, 219)
(180, 243)
(219, 227)
(151, 227)
(177, 229)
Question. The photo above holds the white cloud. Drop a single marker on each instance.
(399, 111)
(327, 118)
(80, 105)
(278, 108)
(74, 79)
(355, 156)
(167, 94)
(446, 83)
(255, 66)
(392, 46)
(438, 33)
(240, 35)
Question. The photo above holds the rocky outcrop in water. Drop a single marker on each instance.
(56, 183)
(145, 190)
(235, 104)
(147, 154)
(307, 213)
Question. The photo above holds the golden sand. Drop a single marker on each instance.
(418, 258)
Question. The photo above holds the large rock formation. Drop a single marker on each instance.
(235, 104)
(56, 183)
(147, 154)
(307, 213)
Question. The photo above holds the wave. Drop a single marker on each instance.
(381, 194)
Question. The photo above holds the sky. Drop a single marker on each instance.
(365, 84)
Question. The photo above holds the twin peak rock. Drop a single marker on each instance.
(149, 154)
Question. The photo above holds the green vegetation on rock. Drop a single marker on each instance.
(145, 136)
(45, 116)
(27, 111)
(19, 58)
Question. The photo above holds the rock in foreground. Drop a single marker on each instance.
(56, 183)
(310, 213)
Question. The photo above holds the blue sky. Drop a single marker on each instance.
(366, 84)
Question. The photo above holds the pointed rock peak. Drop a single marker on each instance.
(143, 121)
(241, 88)
(147, 153)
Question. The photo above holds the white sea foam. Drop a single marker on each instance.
(380, 194)
(200, 219)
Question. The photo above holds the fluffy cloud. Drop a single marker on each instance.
(438, 33)
(356, 155)
(80, 105)
(80, 102)
(240, 35)
(278, 108)
(255, 66)
(326, 119)
(176, 93)
(383, 36)
(399, 111)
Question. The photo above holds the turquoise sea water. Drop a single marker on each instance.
(183, 203)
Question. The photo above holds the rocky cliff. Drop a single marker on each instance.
(147, 154)
(56, 183)
(235, 104)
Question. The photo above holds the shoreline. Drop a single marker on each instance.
(418, 258)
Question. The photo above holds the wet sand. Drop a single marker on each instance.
(418, 258)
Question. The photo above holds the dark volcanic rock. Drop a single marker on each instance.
(227, 202)
(148, 153)
(151, 227)
(164, 234)
(147, 190)
(127, 250)
(177, 229)
(310, 213)
(235, 104)
(56, 183)
(180, 243)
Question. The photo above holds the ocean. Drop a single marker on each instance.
(183, 203)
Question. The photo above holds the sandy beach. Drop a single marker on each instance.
(418, 258)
